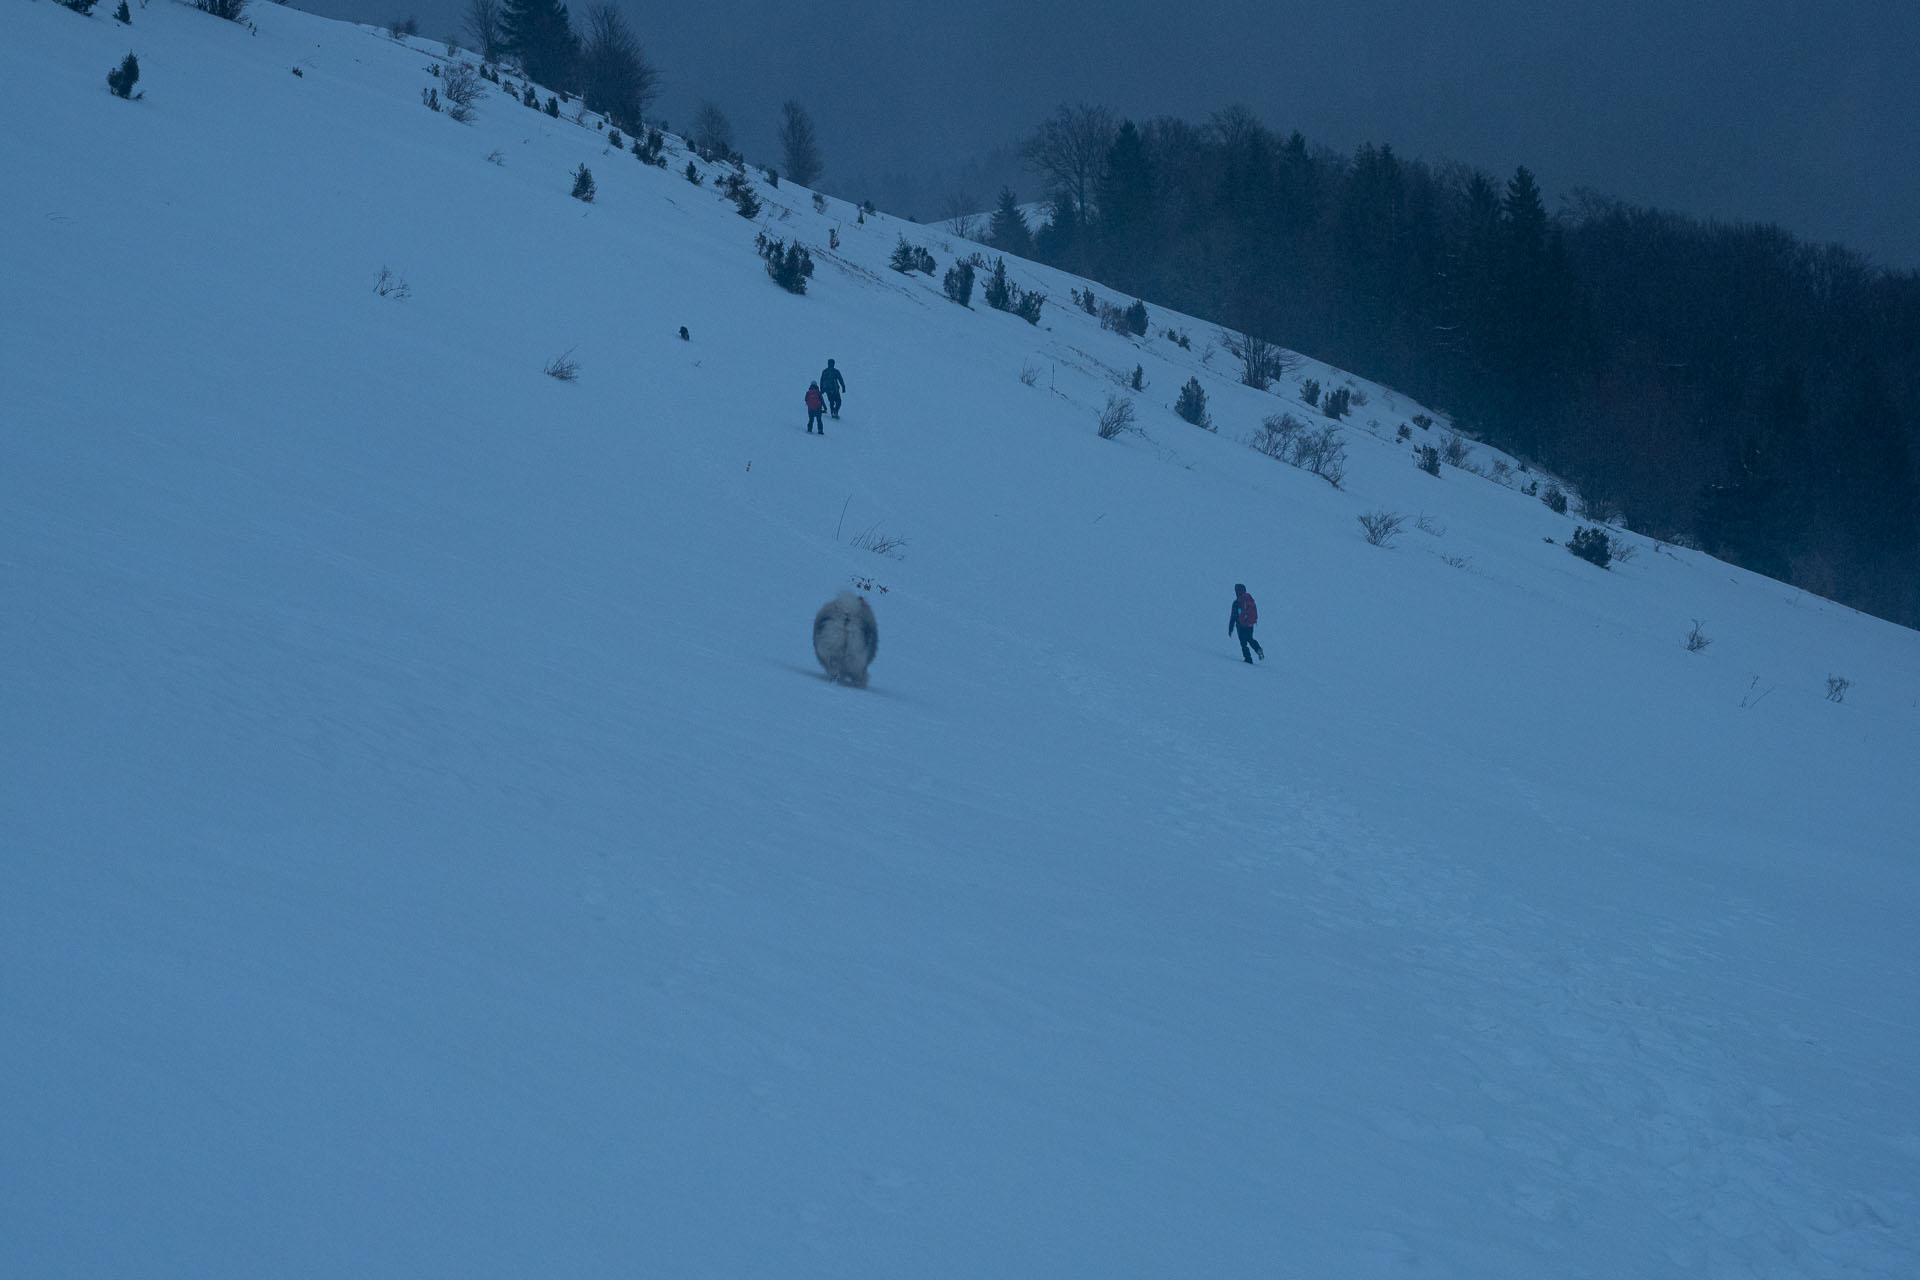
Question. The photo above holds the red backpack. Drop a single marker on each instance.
(1249, 615)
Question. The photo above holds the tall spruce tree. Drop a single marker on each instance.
(1008, 232)
(539, 33)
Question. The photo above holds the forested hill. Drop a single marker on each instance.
(1726, 385)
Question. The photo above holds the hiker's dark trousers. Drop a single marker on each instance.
(1248, 642)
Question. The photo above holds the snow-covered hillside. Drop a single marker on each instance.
(429, 848)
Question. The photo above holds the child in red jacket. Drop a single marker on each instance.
(815, 406)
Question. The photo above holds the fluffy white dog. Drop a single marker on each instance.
(845, 638)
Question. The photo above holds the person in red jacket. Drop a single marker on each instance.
(815, 407)
(1241, 620)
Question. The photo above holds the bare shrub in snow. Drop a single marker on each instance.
(1697, 638)
(1260, 361)
(1322, 453)
(1380, 527)
(460, 85)
(1277, 435)
(1837, 687)
(874, 539)
(389, 285)
(1117, 418)
(563, 367)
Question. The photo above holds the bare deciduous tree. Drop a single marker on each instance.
(1260, 361)
(1070, 150)
(615, 77)
(797, 143)
(483, 24)
(712, 131)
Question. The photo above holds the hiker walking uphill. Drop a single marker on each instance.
(833, 384)
(814, 409)
(1241, 620)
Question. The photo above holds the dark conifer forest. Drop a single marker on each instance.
(1722, 385)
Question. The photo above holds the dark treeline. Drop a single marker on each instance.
(1725, 386)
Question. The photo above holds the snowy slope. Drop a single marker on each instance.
(430, 849)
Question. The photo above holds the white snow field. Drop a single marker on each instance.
(428, 847)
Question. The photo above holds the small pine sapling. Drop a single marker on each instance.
(122, 79)
(583, 187)
(1192, 404)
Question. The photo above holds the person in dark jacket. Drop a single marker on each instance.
(1241, 620)
(833, 384)
(814, 408)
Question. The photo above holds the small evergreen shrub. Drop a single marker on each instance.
(1310, 391)
(430, 98)
(1422, 421)
(1404, 433)
(788, 265)
(122, 15)
(531, 98)
(553, 106)
(998, 293)
(1180, 339)
(82, 7)
(1592, 545)
(737, 189)
(1338, 403)
(1114, 319)
(909, 258)
(1192, 404)
(693, 174)
(1556, 499)
(583, 184)
(959, 283)
(1027, 304)
(615, 141)
(819, 203)
(1427, 458)
(773, 179)
(1137, 319)
(122, 79)
(231, 10)
(1139, 380)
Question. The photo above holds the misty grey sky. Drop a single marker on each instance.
(1799, 112)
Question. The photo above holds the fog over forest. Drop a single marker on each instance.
(1778, 111)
